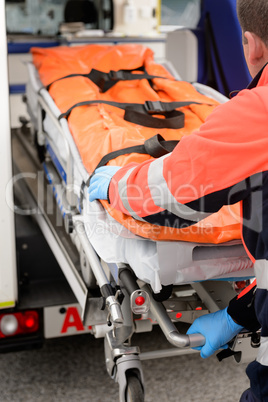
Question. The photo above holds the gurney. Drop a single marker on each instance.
(134, 268)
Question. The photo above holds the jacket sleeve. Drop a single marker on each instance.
(242, 308)
(206, 170)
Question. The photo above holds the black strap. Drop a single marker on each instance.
(142, 114)
(174, 119)
(82, 193)
(155, 146)
(224, 354)
(63, 78)
(106, 81)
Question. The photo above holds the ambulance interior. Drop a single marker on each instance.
(119, 284)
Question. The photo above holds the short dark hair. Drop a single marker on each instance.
(253, 17)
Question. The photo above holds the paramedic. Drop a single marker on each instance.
(226, 161)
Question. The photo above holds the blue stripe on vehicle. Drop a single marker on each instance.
(56, 162)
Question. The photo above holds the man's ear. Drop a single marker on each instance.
(255, 49)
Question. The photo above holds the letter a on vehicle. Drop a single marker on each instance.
(72, 319)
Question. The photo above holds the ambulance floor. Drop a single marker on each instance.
(73, 370)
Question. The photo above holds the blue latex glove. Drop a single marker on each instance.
(99, 183)
(218, 329)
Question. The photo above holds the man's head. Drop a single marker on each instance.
(253, 18)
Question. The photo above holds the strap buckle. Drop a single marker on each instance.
(116, 75)
(154, 107)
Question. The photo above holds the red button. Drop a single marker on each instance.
(178, 315)
(139, 300)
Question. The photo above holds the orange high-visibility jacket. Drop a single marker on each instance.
(99, 129)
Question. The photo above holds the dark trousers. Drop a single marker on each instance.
(248, 396)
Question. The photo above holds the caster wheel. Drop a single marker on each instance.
(134, 390)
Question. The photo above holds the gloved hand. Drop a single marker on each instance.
(99, 183)
(218, 328)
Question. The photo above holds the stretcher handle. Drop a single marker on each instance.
(192, 341)
(170, 331)
(115, 313)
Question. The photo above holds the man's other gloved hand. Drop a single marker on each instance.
(99, 183)
(218, 329)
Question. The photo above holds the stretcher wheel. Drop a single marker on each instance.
(134, 390)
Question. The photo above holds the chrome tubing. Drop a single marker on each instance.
(115, 313)
(170, 331)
